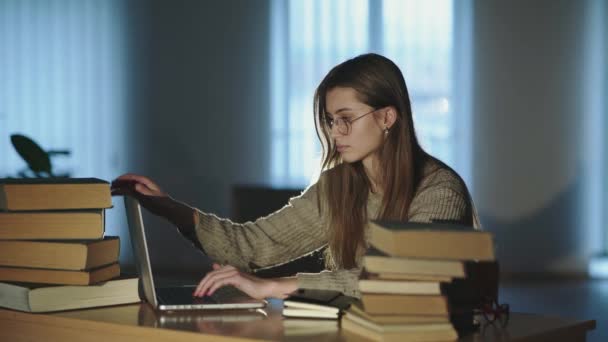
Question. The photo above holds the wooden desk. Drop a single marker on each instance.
(139, 322)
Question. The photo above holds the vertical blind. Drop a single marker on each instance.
(418, 36)
(62, 83)
(309, 37)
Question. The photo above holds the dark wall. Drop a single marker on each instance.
(200, 107)
(532, 154)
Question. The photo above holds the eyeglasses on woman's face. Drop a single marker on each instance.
(344, 125)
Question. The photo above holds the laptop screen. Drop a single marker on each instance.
(140, 248)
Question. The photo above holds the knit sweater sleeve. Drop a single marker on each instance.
(442, 197)
(345, 281)
(288, 233)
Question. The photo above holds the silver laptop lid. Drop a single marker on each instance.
(140, 248)
(144, 270)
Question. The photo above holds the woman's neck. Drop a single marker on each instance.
(370, 165)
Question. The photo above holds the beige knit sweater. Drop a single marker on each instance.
(298, 229)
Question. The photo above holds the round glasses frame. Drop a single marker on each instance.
(344, 125)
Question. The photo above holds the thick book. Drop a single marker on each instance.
(64, 255)
(419, 332)
(18, 194)
(65, 277)
(397, 327)
(431, 241)
(43, 298)
(308, 303)
(407, 276)
(408, 287)
(381, 319)
(391, 304)
(377, 262)
(52, 225)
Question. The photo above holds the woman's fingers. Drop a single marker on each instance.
(228, 278)
(212, 276)
(124, 188)
(204, 288)
(144, 190)
(127, 178)
(229, 275)
(131, 177)
(118, 191)
(198, 291)
(132, 184)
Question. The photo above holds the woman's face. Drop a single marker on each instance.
(366, 134)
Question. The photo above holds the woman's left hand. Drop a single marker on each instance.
(228, 275)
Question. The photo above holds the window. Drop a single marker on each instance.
(595, 137)
(310, 37)
(62, 83)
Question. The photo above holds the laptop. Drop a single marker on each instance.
(180, 297)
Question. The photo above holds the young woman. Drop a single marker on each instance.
(374, 168)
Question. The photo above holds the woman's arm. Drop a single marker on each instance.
(287, 234)
(158, 202)
(345, 281)
(442, 197)
(183, 216)
(293, 231)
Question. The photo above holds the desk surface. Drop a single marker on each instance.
(139, 322)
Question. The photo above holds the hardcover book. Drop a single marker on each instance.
(52, 225)
(64, 255)
(17, 194)
(44, 298)
(431, 241)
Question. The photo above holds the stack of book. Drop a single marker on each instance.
(53, 252)
(421, 282)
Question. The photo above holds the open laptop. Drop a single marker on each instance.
(176, 297)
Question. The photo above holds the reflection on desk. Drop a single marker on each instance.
(256, 323)
(245, 323)
(309, 327)
(140, 323)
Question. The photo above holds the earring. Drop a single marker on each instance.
(386, 131)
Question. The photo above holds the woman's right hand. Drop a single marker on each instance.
(159, 203)
(145, 190)
(133, 185)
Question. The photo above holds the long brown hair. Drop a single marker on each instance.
(379, 83)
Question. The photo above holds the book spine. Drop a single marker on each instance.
(3, 200)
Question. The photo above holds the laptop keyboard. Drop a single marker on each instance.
(180, 296)
(183, 295)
